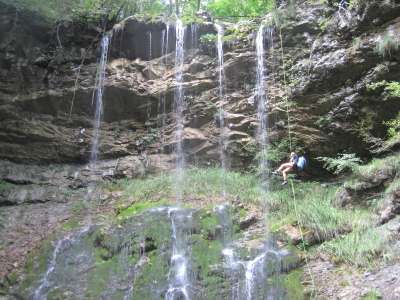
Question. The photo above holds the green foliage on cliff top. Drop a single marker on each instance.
(240, 8)
(116, 10)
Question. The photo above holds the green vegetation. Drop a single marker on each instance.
(116, 10)
(386, 45)
(343, 162)
(292, 283)
(392, 88)
(198, 184)
(139, 207)
(394, 186)
(388, 164)
(4, 185)
(359, 248)
(372, 295)
(393, 127)
(240, 8)
(313, 211)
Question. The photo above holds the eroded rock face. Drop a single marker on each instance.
(46, 107)
(49, 118)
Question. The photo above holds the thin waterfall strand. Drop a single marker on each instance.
(101, 74)
(178, 275)
(221, 95)
(261, 105)
(41, 292)
(179, 106)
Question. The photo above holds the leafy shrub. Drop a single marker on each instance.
(393, 87)
(387, 164)
(344, 162)
(240, 8)
(393, 127)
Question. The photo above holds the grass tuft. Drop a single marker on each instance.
(359, 248)
(388, 164)
(197, 184)
(314, 210)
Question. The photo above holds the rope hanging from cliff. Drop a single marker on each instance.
(300, 228)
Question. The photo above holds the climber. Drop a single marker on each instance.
(287, 167)
(296, 164)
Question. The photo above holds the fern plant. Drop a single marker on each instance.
(342, 163)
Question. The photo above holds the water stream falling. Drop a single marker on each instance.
(261, 100)
(179, 282)
(40, 292)
(179, 107)
(162, 113)
(178, 277)
(268, 261)
(98, 97)
(194, 35)
(221, 95)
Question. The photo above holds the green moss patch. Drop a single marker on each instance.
(293, 286)
(139, 207)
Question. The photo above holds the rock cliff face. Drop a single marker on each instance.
(330, 59)
(321, 67)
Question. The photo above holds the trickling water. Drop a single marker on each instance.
(178, 274)
(193, 31)
(221, 95)
(150, 46)
(231, 262)
(261, 99)
(133, 270)
(267, 263)
(162, 114)
(41, 292)
(101, 74)
(166, 49)
(179, 106)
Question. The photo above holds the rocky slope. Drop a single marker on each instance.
(326, 66)
(329, 60)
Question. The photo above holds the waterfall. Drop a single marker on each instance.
(221, 95)
(166, 47)
(194, 35)
(231, 262)
(178, 275)
(179, 107)
(261, 99)
(98, 97)
(162, 114)
(267, 263)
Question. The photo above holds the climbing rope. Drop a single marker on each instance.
(303, 243)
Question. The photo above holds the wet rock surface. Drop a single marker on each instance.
(50, 120)
(113, 260)
(46, 114)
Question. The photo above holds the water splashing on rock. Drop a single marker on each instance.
(178, 274)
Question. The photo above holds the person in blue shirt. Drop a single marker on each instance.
(295, 163)
(287, 167)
